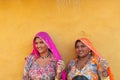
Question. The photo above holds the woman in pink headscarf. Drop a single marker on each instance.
(44, 63)
(88, 64)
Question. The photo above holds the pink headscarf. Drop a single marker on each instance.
(48, 41)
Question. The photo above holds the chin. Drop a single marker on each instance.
(40, 51)
(81, 56)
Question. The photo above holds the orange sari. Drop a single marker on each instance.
(90, 46)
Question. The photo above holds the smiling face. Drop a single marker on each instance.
(81, 49)
(40, 45)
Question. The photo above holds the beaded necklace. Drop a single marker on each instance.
(45, 56)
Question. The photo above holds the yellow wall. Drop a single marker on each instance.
(65, 21)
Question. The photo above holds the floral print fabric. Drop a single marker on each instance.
(37, 72)
(91, 70)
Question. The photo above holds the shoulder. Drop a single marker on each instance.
(30, 57)
(52, 58)
(96, 59)
(72, 62)
(71, 65)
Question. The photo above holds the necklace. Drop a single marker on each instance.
(45, 56)
(82, 64)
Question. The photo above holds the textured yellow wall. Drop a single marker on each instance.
(65, 21)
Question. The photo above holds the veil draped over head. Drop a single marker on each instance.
(90, 46)
(48, 41)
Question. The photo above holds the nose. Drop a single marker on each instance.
(38, 45)
(80, 48)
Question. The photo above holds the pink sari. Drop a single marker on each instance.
(48, 41)
(90, 46)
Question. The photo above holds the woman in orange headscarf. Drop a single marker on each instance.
(88, 63)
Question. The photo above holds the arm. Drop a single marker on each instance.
(28, 63)
(60, 68)
(58, 76)
(103, 65)
(25, 75)
(69, 69)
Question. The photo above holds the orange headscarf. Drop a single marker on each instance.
(90, 46)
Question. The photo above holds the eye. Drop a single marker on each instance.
(41, 42)
(77, 47)
(36, 42)
(82, 46)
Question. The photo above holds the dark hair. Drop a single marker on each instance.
(76, 42)
(35, 38)
(79, 77)
(48, 48)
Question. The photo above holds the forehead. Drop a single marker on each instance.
(80, 43)
(37, 39)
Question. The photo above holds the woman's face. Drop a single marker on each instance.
(81, 49)
(40, 45)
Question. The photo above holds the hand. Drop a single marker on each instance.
(60, 66)
(104, 64)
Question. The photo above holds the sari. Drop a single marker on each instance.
(92, 69)
(90, 46)
(51, 46)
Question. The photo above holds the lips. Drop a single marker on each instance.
(39, 48)
(80, 52)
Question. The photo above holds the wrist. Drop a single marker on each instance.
(58, 76)
(105, 73)
(59, 73)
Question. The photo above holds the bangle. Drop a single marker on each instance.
(56, 78)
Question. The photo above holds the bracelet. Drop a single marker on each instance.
(56, 78)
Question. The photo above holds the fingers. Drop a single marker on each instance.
(60, 62)
(104, 63)
(60, 66)
(105, 73)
